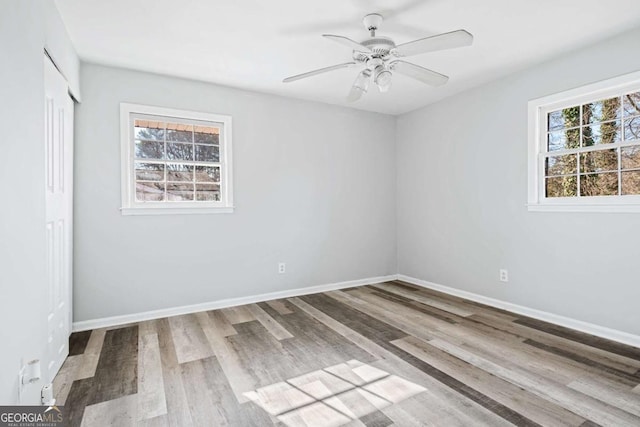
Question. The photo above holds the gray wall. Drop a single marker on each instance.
(462, 190)
(26, 27)
(314, 186)
(59, 46)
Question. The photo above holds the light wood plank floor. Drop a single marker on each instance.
(380, 355)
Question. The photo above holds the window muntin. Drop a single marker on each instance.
(585, 147)
(178, 161)
(579, 161)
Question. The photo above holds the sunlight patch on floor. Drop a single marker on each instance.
(333, 396)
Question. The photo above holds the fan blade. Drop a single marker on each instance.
(346, 41)
(360, 86)
(316, 72)
(450, 40)
(419, 73)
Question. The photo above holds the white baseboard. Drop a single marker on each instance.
(589, 328)
(230, 302)
(578, 325)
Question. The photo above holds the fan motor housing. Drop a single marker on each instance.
(380, 48)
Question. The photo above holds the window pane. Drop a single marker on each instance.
(207, 153)
(178, 172)
(208, 192)
(149, 150)
(632, 129)
(176, 160)
(630, 157)
(569, 117)
(565, 186)
(599, 161)
(631, 182)
(563, 140)
(149, 130)
(149, 171)
(207, 174)
(179, 132)
(599, 184)
(562, 165)
(631, 104)
(601, 111)
(150, 191)
(179, 192)
(601, 133)
(177, 151)
(207, 135)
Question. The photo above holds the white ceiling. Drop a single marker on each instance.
(254, 44)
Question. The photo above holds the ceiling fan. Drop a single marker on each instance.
(380, 56)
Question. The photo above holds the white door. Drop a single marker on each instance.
(58, 110)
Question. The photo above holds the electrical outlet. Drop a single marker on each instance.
(504, 276)
(282, 268)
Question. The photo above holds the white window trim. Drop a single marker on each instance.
(132, 207)
(537, 128)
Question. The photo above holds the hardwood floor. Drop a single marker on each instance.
(380, 355)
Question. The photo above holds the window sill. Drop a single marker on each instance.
(622, 208)
(176, 210)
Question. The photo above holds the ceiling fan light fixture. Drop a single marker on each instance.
(382, 78)
(362, 82)
(384, 89)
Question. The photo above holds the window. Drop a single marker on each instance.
(584, 148)
(175, 161)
